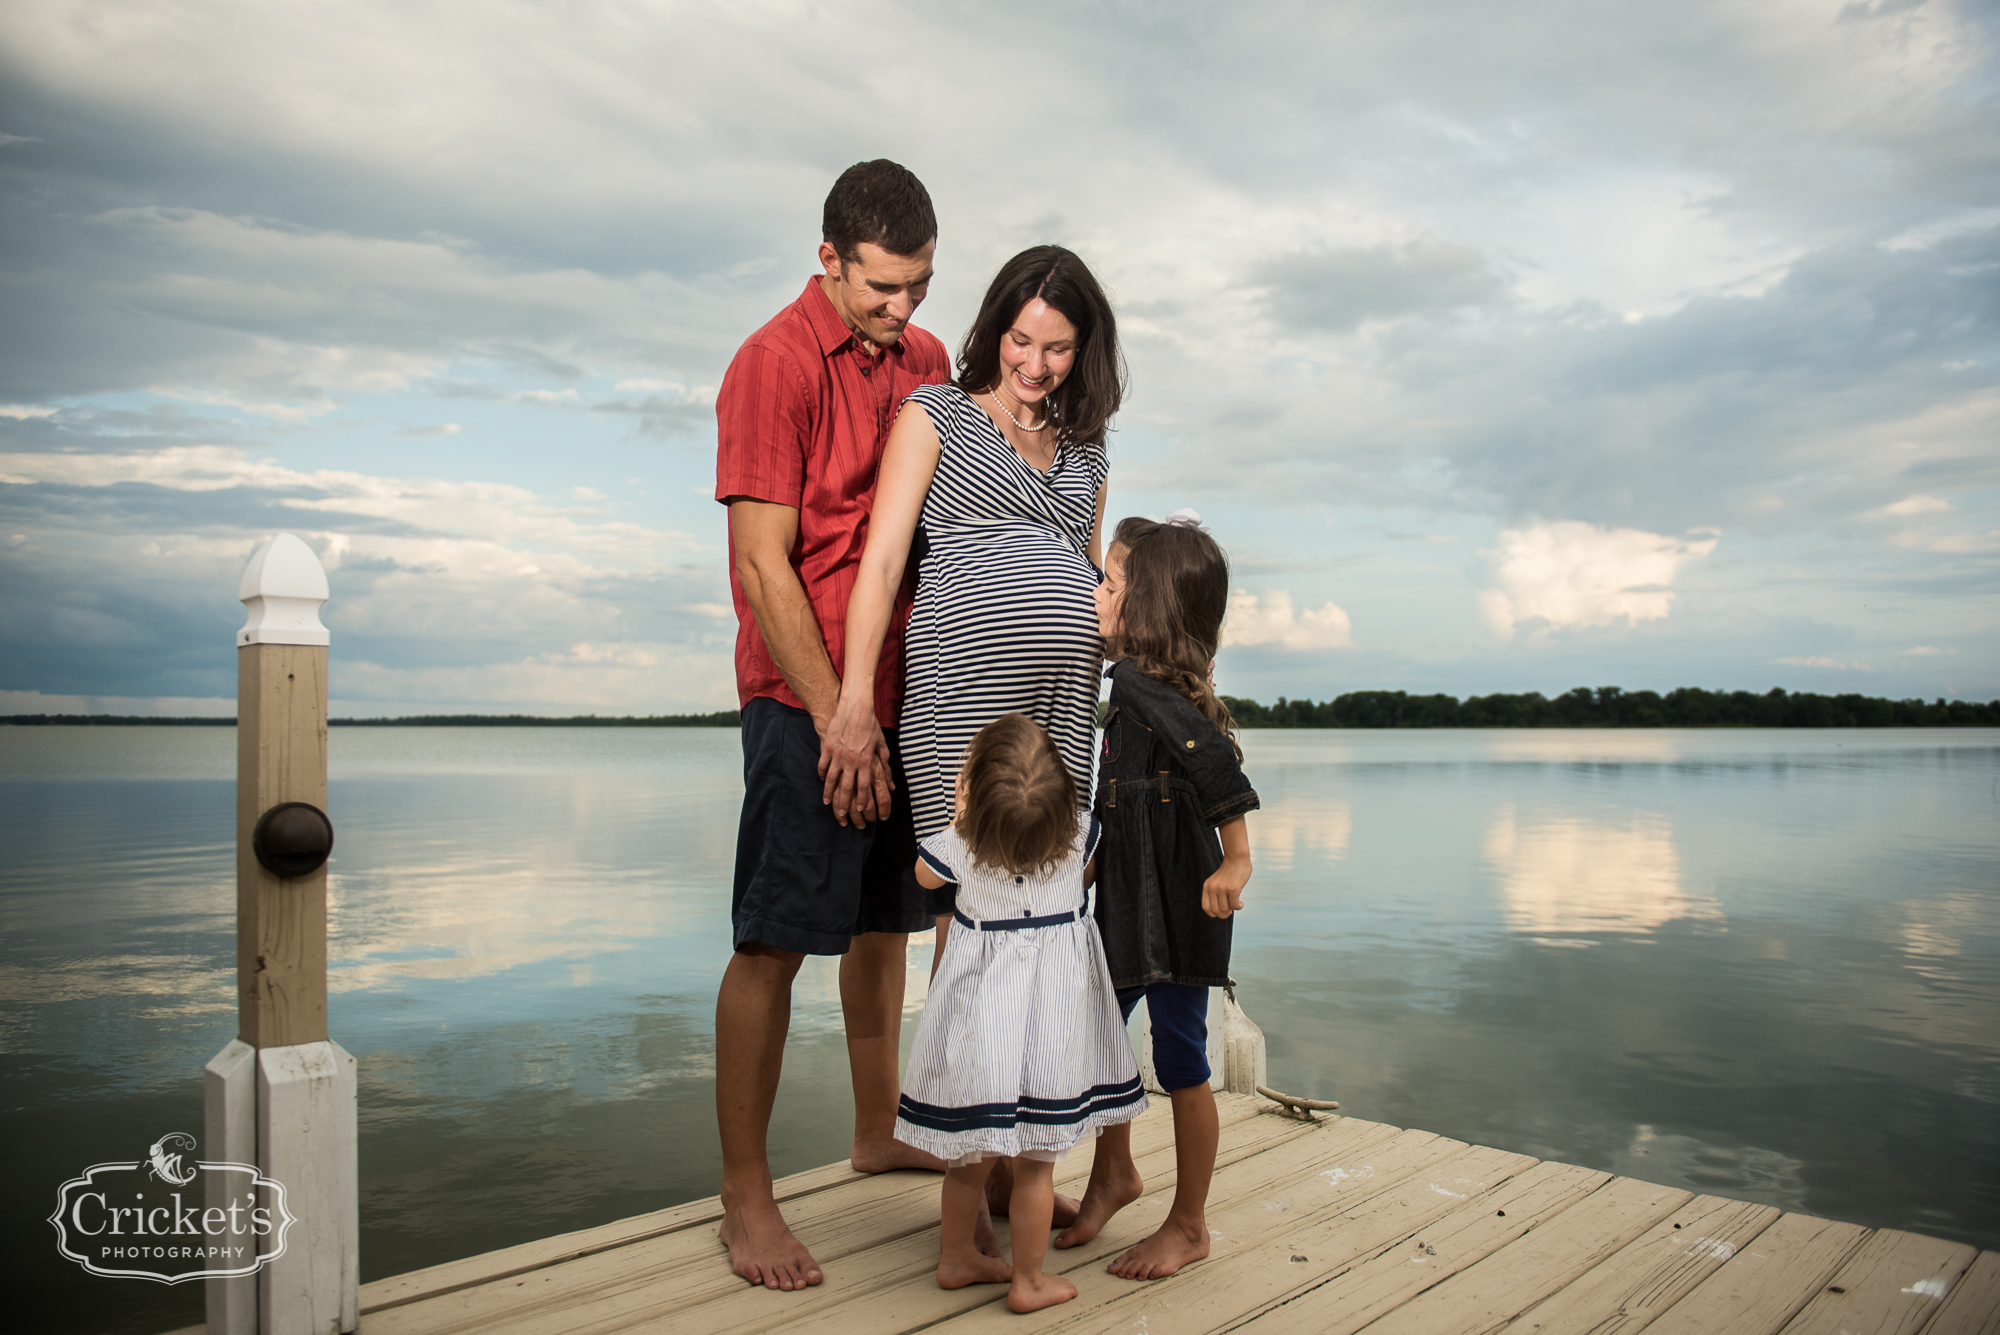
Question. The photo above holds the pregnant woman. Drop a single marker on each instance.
(997, 478)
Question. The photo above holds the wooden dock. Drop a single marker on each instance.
(1339, 1226)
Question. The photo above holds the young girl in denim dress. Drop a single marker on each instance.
(1173, 858)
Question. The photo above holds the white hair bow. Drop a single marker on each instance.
(1183, 518)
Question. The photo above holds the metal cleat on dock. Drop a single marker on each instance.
(1291, 1105)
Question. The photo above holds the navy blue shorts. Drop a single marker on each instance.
(1179, 1017)
(804, 881)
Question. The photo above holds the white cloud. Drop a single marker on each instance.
(1925, 235)
(1821, 662)
(1571, 574)
(20, 412)
(1951, 544)
(623, 678)
(1916, 505)
(1928, 651)
(1270, 620)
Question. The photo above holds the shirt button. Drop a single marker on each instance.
(1190, 744)
(1017, 881)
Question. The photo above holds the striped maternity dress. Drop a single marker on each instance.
(1005, 618)
(1021, 1050)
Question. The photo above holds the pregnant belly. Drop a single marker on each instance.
(1027, 592)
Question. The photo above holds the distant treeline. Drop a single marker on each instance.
(1613, 707)
(1604, 707)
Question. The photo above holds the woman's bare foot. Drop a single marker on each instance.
(763, 1250)
(960, 1269)
(888, 1155)
(1106, 1196)
(1163, 1254)
(1031, 1293)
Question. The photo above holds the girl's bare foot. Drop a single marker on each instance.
(1031, 1293)
(957, 1271)
(1163, 1254)
(1106, 1196)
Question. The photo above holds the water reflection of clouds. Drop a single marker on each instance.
(473, 917)
(1284, 829)
(1747, 1171)
(1935, 932)
(1567, 878)
(1581, 745)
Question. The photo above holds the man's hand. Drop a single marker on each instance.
(854, 763)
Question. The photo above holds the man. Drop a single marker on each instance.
(802, 417)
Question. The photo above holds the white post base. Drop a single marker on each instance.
(1149, 1078)
(229, 1134)
(1235, 1049)
(306, 1099)
(1243, 1061)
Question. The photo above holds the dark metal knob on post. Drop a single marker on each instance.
(292, 839)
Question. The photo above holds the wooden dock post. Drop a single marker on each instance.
(282, 1095)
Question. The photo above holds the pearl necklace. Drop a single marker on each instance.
(994, 395)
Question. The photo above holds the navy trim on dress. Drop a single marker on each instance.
(931, 861)
(1020, 924)
(1031, 1111)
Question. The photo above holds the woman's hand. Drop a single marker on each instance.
(1222, 893)
(854, 762)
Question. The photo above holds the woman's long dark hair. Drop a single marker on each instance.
(1083, 405)
(1170, 623)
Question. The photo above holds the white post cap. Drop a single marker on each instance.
(283, 586)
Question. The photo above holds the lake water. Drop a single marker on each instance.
(1758, 964)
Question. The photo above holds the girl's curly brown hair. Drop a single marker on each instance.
(1170, 623)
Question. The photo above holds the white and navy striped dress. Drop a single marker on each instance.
(1005, 618)
(1021, 1050)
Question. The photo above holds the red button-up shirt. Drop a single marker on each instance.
(801, 418)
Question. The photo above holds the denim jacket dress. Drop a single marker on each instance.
(1166, 777)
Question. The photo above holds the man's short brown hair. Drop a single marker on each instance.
(1020, 801)
(882, 203)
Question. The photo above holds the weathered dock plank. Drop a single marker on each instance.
(1767, 1283)
(1332, 1228)
(1893, 1284)
(1626, 1291)
(1973, 1306)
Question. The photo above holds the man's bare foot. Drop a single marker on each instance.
(1164, 1253)
(763, 1250)
(889, 1155)
(1105, 1197)
(1000, 1195)
(957, 1271)
(1031, 1293)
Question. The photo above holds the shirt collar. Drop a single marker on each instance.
(828, 327)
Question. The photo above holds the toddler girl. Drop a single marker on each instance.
(1021, 1052)
(1171, 797)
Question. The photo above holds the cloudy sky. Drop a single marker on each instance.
(1506, 347)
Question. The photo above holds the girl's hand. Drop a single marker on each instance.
(1222, 893)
